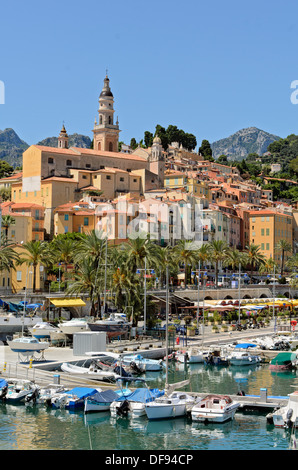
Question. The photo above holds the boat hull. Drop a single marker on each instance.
(164, 411)
(110, 330)
(214, 416)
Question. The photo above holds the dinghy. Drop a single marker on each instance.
(215, 409)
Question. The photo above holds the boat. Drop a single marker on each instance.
(171, 405)
(15, 322)
(286, 416)
(100, 401)
(46, 393)
(216, 357)
(18, 390)
(133, 405)
(215, 409)
(72, 399)
(92, 372)
(27, 345)
(141, 362)
(75, 325)
(42, 330)
(192, 355)
(243, 358)
(283, 361)
(112, 326)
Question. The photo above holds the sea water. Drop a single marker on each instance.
(29, 427)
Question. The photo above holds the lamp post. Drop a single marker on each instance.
(145, 269)
(203, 325)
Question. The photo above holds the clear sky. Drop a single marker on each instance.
(208, 67)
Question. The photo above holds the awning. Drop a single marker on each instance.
(68, 302)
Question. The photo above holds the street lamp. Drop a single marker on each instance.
(198, 307)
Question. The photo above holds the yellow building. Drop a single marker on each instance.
(267, 228)
(74, 217)
(22, 276)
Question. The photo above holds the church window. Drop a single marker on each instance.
(68, 162)
(50, 160)
(110, 147)
(100, 119)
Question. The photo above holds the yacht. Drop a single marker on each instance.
(243, 358)
(75, 325)
(214, 409)
(192, 355)
(27, 345)
(42, 330)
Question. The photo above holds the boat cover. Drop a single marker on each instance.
(283, 358)
(143, 395)
(107, 396)
(245, 345)
(3, 383)
(82, 392)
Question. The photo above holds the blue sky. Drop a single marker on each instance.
(211, 68)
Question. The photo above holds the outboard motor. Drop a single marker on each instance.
(123, 409)
(288, 418)
(32, 396)
(135, 368)
(121, 371)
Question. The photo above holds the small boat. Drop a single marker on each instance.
(112, 326)
(214, 409)
(42, 330)
(18, 390)
(27, 345)
(141, 362)
(216, 357)
(243, 358)
(286, 416)
(100, 401)
(45, 394)
(75, 325)
(171, 405)
(72, 399)
(133, 405)
(92, 372)
(283, 361)
(192, 355)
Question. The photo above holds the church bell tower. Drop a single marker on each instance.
(106, 133)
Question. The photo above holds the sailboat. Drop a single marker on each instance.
(172, 404)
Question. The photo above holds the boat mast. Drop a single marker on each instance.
(167, 325)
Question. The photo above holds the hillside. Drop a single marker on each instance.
(12, 147)
(243, 142)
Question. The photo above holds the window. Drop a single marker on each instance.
(121, 179)
(267, 246)
(267, 231)
(86, 221)
(84, 177)
(253, 219)
(262, 231)
(108, 177)
(88, 165)
(68, 162)
(66, 229)
(50, 160)
(262, 246)
(19, 275)
(66, 217)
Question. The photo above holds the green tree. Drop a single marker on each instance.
(283, 246)
(255, 257)
(148, 139)
(205, 150)
(34, 253)
(133, 143)
(7, 221)
(217, 253)
(185, 253)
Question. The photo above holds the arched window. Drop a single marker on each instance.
(110, 120)
(100, 119)
(99, 146)
(110, 147)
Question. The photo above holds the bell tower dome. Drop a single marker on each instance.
(63, 139)
(106, 133)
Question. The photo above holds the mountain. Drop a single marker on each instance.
(243, 142)
(74, 140)
(11, 147)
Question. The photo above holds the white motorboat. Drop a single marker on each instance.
(141, 362)
(191, 355)
(92, 372)
(215, 409)
(75, 325)
(287, 416)
(133, 405)
(243, 358)
(46, 393)
(18, 390)
(100, 401)
(27, 345)
(42, 330)
(172, 405)
(11, 323)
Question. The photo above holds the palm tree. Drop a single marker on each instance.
(292, 262)
(34, 254)
(166, 258)
(233, 258)
(185, 252)
(64, 250)
(85, 280)
(217, 252)
(8, 257)
(254, 257)
(7, 221)
(137, 249)
(268, 267)
(284, 246)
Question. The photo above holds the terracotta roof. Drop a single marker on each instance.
(77, 151)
